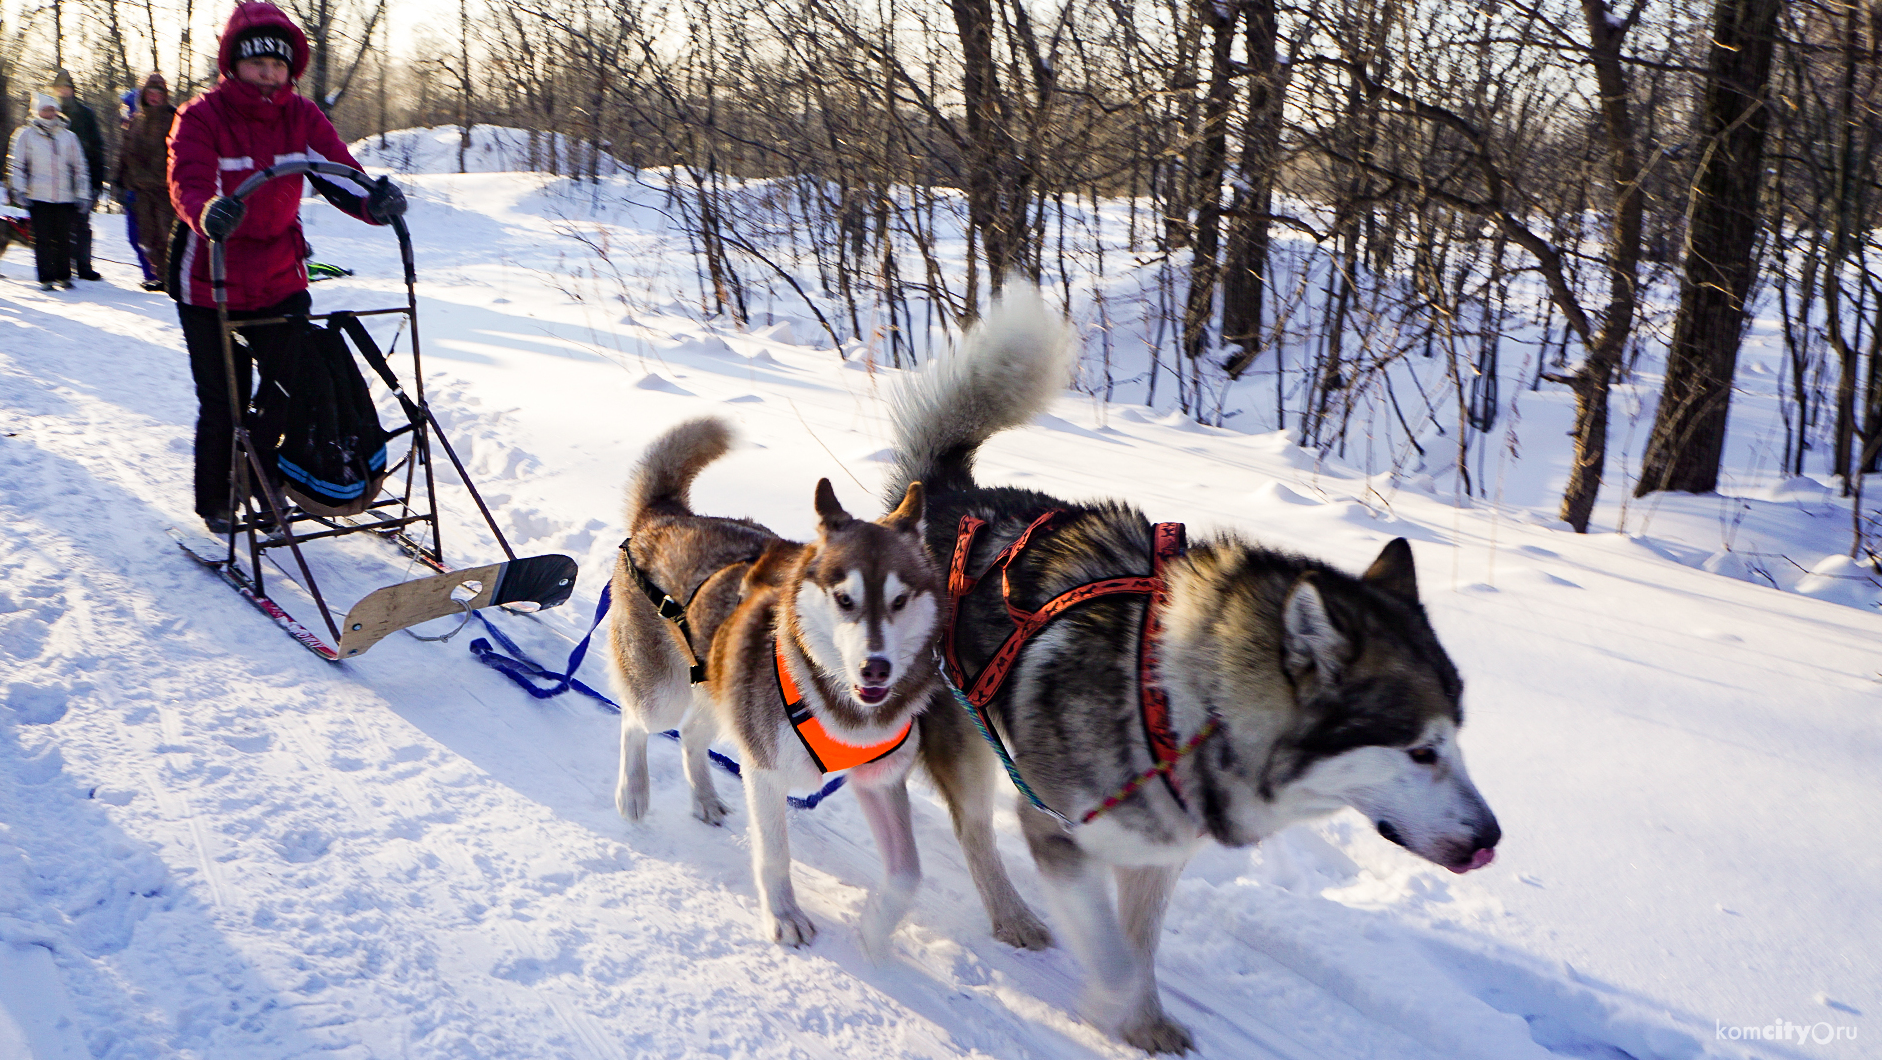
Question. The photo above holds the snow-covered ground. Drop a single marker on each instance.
(213, 844)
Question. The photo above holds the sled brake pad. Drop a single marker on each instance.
(542, 580)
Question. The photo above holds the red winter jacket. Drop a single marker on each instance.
(223, 137)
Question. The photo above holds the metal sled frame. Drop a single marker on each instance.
(541, 580)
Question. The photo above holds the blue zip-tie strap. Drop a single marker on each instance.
(520, 668)
(523, 670)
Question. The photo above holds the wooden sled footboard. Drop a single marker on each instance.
(544, 581)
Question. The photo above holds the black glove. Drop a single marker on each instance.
(222, 216)
(384, 202)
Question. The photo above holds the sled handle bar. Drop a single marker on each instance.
(218, 269)
(218, 277)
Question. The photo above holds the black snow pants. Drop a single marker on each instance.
(215, 433)
(52, 239)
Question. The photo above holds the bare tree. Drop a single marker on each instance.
(1245, 265)
(1606, 53)
(333, 27)
(1688, 438)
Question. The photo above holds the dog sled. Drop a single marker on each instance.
(398, 503)
(16, 226)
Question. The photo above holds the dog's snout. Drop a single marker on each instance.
(1482, 848)
(1489, 835)
(876, 670)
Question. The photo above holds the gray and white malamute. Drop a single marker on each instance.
(812, 657)
(1282, 689)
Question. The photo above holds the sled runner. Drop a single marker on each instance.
(310, 463)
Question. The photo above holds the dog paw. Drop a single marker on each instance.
(631, 801)
(1158, 1034)
(881, 916)
(1023, 931)
(710, 810)
(790, 927)
(873, 941)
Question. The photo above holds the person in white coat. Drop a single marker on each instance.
(47, 172)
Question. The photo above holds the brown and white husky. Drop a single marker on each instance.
(817, 657)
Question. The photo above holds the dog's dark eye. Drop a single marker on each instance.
(899, 602)
(1424, 756)
(843, 601)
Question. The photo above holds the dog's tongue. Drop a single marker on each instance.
(872, 694)
(1483, 856)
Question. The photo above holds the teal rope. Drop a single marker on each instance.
(1006, 759)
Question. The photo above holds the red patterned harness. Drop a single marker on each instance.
(1168, 543)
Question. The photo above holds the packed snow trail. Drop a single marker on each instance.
(214, 845)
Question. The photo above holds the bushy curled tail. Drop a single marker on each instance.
(664, 476)
(1007, 369)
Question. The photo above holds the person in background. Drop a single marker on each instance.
(46, 171)
(143, 176)
(252, 119)
(84, 125)
(123, 196)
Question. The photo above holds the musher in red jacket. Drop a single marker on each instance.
(251, 120)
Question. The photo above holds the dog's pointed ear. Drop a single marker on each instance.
(907, 516)
(832, 513)
(1393, 572)
(1311, 639)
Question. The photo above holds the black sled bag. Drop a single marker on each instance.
(314, 411)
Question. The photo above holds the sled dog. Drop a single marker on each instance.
(811, 657)
(1286, 689)
(701, 560)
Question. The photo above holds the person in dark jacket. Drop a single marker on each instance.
(143, 174)
(84, 125)
(251, 120)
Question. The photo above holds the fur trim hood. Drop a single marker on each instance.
(255, 15)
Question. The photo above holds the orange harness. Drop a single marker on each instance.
(829, 753)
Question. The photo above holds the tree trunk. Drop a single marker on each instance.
(1688, 438)
(120, 51)
(185, 57)
(150, 34)
(1843, 242)
(320, 57)
(980, 91)
(463, 83)
(6, 86)
(1211, 160)
(1591, 382)
(1245, 265)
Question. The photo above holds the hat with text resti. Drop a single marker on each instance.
(264, 42)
